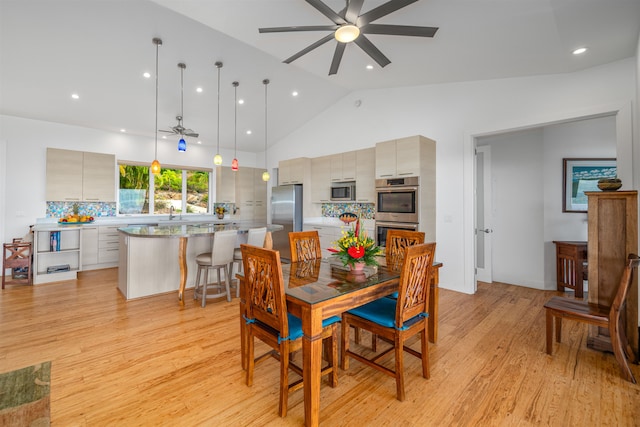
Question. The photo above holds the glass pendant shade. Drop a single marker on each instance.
(217, 160)
(182, 145)
(155, 167)
(234, 165)
(265, 176)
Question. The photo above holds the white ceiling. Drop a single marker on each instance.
(100, 48)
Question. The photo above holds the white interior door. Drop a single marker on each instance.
(483, 214)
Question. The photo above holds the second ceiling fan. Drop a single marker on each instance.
(351, 26)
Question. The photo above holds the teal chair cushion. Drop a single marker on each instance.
(295, 326)
(383, 312)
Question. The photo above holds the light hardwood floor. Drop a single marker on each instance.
(151, 362)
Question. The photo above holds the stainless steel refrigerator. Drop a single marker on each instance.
(286, 210)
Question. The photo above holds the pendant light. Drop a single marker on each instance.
(155, 165)
(265, 174)
(217, 159)
(182, 144)
(234, 162)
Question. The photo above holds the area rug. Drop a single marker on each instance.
(24, 396)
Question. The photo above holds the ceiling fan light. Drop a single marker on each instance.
(155, 167)
(182, 145)
(234, 165)
(217, 160)
(347, 33)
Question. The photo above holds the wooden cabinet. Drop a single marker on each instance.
(612, 236)
(400, 157)
(251, 194)
(225, 185)
(77, 176)
(365, 175)
(343, 167)
(53, 251)
(293, 171)
(321, 179)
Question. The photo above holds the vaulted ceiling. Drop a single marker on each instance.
(100, 49)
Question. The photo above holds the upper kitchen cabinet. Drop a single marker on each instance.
(251, 194)
(293, 171)
(365, 175)
(225, 185)
(343, 167)
(79, 176)
(321, 179)
(403, 157)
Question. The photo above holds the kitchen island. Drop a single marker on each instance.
(156, 259)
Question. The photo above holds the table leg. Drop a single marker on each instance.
(182, 260)
(312, 362)
(433, 307)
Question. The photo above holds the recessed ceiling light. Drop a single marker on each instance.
(146, 75)
(123, 130)
(164, 137)
(294, 93)
(75, 96)
(199, 89)
(369, 67)
(199, 142)
(249, 132)
(580, 50)
(240, 101)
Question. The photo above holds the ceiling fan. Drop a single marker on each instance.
(350, 25)
(179, 129)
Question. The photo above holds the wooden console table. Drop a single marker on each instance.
(571, 258)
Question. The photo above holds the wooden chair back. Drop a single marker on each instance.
(397, 241)
(17, 255)
(304, 245)
(615, 313)
(265, 287)
(415, 282)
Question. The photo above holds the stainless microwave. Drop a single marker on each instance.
(343, 191)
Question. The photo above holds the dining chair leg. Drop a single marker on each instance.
(243, 338)
(399, 350)
(333, 378)
(344, 347)
(203, 294)
(196, 288)
(284, 382)
(250, 360)
(424, 337)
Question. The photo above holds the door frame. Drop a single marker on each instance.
(485, 273)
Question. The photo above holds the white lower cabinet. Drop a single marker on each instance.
(56, 254)
(108, 246)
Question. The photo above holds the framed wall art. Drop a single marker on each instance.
(580, 175)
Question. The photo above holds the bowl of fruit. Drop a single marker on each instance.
(348, 217)
(76, 219)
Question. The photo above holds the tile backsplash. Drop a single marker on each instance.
(94, 209)
(334, 210)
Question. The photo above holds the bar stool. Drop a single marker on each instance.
(220, 257)
(255, 237)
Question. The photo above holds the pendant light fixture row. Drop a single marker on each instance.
(217, 159)
(155, 165)
(265, 174)
(234, 162)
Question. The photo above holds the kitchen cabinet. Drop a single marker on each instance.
(293, 171)
(321, 179)
(80, 176)
(260, 195)
(343, 167)
(89, 246)
(365, 175)
(400, 157)
(251, 194)
(108, 242)
(612, 235)
(225, 185)
(56, 248)
(327, 235)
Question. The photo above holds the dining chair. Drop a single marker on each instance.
(304, 245)
(18, 257)
(268, 320)
(255, 237)
(220, 258)
(397, 241)
(559, 308)
(396, 320)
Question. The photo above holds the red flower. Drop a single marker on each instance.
(356, 251)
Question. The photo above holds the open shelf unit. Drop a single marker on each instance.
(46, 257)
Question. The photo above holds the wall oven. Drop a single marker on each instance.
(398, 200)
(382, 227)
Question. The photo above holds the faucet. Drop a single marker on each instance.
(171, 215)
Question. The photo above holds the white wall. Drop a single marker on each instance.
(24, 175)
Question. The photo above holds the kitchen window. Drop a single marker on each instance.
(140, 192)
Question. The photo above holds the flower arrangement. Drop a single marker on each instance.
(355, 246)
(220, 211)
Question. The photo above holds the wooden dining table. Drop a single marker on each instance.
(318, 289)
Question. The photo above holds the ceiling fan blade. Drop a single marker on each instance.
(327, 11)
(191, 133)
(166, 131)
(399, 30)
(353, 10)
(366, 45)
(337, 57)
(382, 10)
(299, 28)
(309, 48)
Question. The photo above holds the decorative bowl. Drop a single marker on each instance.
(348, 217)
(609, 184)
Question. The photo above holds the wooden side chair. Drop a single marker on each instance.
(17, 256)
(397, 320)
(255, 237)
(559, 308)
(305, 245)
(268, 320)
(397, 241)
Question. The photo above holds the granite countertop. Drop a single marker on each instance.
(190, 230)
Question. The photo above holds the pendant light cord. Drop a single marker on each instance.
(219, 65)
(235, 120)
(158, 42)
(265, 82)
